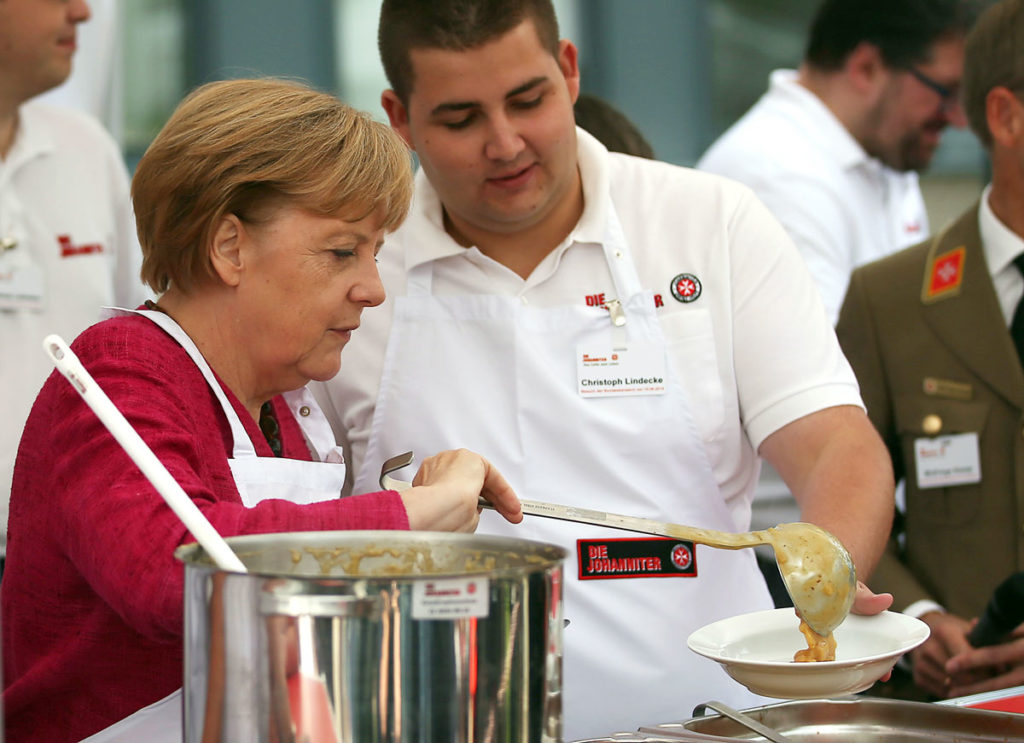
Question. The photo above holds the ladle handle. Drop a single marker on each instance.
(711, 538)
(70, 366)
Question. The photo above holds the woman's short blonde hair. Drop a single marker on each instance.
(237, 146)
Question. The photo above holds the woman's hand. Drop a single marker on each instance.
(446, 489)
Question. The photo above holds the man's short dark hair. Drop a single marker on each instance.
(994, 57)
(903, 30)
(455, 25)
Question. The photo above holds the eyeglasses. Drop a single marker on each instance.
(949, 97)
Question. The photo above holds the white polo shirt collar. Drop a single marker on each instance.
(31, 140)
(820, 119)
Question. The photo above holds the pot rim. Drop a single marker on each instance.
(544, 556)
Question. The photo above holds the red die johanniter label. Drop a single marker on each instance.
(604, 559)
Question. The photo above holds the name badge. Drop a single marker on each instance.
(947, 460)
(22, 285)
(636, 368)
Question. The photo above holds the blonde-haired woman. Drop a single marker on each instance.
(260, 208)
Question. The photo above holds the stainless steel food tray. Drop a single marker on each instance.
(844, 720)
(857, 719)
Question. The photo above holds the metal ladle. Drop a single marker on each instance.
(818, 571)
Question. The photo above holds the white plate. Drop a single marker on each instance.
(757, 650)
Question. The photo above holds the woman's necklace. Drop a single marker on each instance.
(272, 431)
(151, 305)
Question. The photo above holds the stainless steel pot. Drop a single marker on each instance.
(374, 636)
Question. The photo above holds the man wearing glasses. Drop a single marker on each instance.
(834, 147)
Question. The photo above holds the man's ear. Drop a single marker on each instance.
(398, 115)
(226, 249)
(865, 69)
(568, 63)
(1004, 114)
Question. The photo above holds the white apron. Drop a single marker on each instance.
(497, 376)
(257, 478)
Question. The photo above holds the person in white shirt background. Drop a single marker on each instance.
(66, 229)
(834, 149)
(530, 252)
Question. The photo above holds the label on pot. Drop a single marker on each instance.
(451, 598)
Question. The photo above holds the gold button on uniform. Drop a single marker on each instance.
(304, 411)
(931, 424)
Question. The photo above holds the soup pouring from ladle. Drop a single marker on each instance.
(817, 570)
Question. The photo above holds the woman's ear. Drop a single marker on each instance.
(226, 249)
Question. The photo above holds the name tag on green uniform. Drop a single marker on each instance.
(947, 460)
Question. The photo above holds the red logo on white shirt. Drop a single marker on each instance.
(67, 248)
(682, 556)
(912, 227)
(685, 287)
(598, 300)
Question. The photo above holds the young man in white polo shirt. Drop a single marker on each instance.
(67, 235)
(619, 333)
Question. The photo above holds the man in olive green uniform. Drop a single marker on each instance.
(928, 332)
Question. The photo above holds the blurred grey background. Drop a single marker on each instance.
(682, 70)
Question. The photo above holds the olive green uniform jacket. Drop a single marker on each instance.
(928, 342)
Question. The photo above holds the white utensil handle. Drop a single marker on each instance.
(68, 364)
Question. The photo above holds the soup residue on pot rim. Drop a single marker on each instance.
(423, 559)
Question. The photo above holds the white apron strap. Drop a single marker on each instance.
(242, 446)
(160, 722)
(261, 478)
